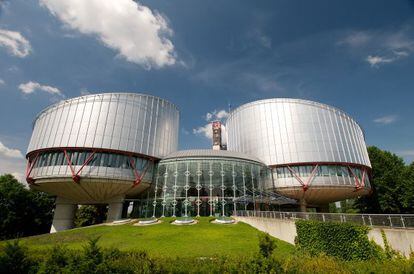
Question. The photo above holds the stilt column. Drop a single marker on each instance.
(302, 205)
(115, 210)
(64, 215)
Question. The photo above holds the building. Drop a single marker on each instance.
(317, 153)
(99, 149)
(117, 148)
(212, 182)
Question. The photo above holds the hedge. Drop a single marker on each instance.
(345, 241)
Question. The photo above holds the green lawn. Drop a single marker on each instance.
(164, 240)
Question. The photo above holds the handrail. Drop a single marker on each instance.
(383, 220)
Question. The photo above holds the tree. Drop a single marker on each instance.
(90, 215)
(389, 184)
(23, 212)
(408, 195)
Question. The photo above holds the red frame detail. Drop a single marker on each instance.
(29, 168)
(359, 183)
(138, 178)
(76, 174)
(305, 185)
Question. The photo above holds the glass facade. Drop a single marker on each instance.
(51, 163)
(211, 187)
(78, 158)
(336, 175)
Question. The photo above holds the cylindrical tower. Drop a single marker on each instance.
(317, 152)
(97, 148)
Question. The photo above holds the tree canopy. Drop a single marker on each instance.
(393, 184)
(23, 212)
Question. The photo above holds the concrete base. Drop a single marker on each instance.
(302, 205)
(401, 240)
(115, 210)
(63, 216)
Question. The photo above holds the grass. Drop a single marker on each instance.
(203, 239)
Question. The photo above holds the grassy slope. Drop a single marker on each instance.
(201, 240)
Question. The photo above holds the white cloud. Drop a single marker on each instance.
(219, 115)
(206, 131)
(137, 33)
(9, 152)
(31, 87)
(15, 43)
(385, 120)
(376, 60)
(388, 46)
(2, 82)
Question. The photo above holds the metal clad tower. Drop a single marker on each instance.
(317, 152)
(99, 149)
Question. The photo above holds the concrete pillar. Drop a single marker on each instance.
(302, 205)
(64, 215)
(115, 210)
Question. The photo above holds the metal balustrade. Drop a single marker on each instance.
(383, 220)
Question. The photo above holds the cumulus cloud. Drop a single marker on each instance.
(31, 87)
(139, 34)
(15, 43)
(385, 120)
(207, 130)
(9, 152)
(217, 115)
(12, 162)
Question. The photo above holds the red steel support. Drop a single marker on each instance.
(305, 185)
(69, 161)
(29, 168)
(359, 183)
(76, 175)
(138, 177)
(90, 158)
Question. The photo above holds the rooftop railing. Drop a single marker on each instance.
(383, 220)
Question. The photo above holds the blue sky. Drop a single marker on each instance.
(203, 56)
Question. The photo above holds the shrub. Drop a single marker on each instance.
(15, 259)
(346, 241)
(266, 244)
(56, 261)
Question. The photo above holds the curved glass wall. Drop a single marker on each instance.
(54, 162)
(210, 187)
(336, 174)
